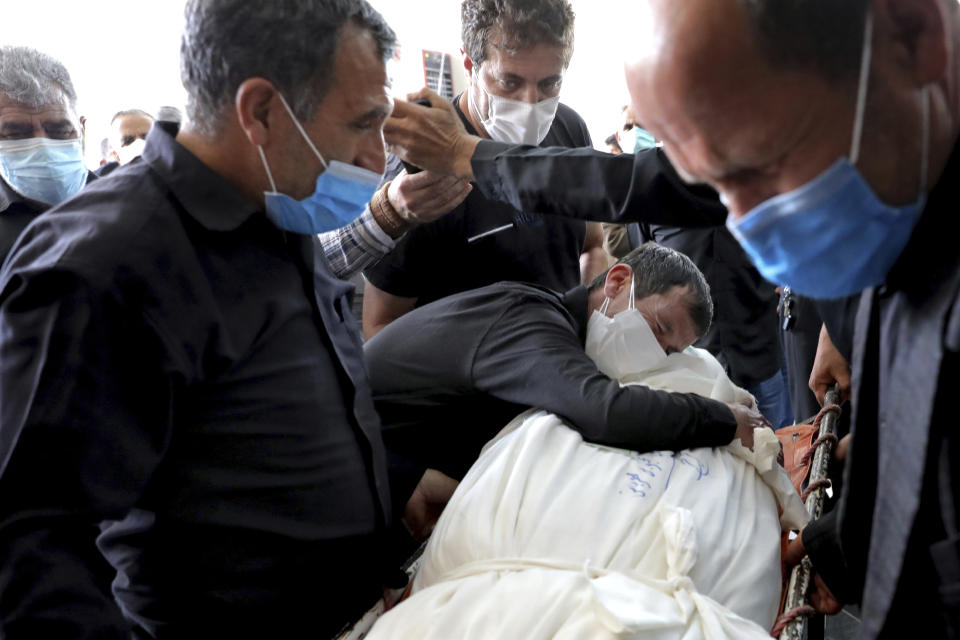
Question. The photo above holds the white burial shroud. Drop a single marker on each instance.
(551, 537)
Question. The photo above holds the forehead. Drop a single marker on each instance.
(536, 62)
(706, 90)
(360, 82)
(133, 122)
(55, 111)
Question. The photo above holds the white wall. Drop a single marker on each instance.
(125, 53)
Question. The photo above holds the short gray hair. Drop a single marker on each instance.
(33, 78)
(658, 269)
(130, 112)
(291, 43)
(824, 36)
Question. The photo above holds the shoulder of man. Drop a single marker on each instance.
(570, 129)
(99, 232)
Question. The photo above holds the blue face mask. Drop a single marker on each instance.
(45, 170)
(342, 192)
(833, 237)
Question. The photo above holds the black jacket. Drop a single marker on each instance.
(893, 543)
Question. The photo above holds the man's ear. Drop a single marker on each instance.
(467, 63)
(918, 29)
(617, 278)
(257, 102)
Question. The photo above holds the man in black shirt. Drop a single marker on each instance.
(516, 53)
(448, 376)
(41, 158)
(181, 380)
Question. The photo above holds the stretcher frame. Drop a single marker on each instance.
(801, 575)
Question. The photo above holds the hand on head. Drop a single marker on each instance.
(431, 138)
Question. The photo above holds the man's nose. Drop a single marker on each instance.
(531, 95)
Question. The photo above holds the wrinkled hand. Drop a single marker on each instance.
(426, 196)
(747, 419)
(829, 367)
(432, 138)
(819, 594)
(427, 502)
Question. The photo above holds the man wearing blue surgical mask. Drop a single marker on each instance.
(831, 130)
(183, 400)
(41, 154)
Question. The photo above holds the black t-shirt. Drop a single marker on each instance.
(438, 259)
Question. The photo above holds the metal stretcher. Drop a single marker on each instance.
(807, 464)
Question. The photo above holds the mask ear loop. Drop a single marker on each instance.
(632, 304)
(263, 158)
(862, 88)
(301, 129)
(603, 307)
(925, 141)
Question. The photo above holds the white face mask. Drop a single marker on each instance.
(623, 345)
(516, 121)
(126, 154)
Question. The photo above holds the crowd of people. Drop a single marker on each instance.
(202, 431)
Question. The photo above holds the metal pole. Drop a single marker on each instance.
(800, 576)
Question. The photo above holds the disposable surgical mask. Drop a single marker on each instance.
(340, 196)
(126, 154)
(45, 170)
(516, 121)
(636, 139)
(623, 345)
(833, 236)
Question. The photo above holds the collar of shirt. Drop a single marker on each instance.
(9, 197)
(931, 251)
(575, 301)
(207, 197)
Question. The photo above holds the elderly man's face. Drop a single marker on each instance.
(125, 131)
(55, 120)
(727, 118)
(348, 125)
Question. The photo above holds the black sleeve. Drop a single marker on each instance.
(592, 185)
(83, 416)
(531, 356)
(821, 539)
(839, 316)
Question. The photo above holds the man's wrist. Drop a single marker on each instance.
(463, 157)
(386, 216)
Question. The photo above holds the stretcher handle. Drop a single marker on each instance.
(801, 574)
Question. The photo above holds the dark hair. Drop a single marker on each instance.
(825, 36)
(612, 140)
(521, 24)
(658, 269)
(291, 43)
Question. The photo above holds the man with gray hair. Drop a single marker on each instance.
(41, 155)
(182, 389)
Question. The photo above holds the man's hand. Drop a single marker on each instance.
(426, 196)
(748, 419)
(431, 138)
(829, 367)
(819, 594)
(427, 502)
